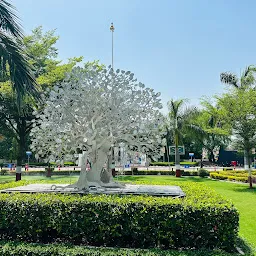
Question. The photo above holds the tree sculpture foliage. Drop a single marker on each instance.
(93, 111)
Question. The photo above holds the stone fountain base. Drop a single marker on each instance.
(152, 190)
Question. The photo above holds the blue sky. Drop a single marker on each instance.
(177, 47)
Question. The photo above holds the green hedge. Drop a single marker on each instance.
(172, 163)
(43, 173)
(202, 219)
(161, 172)
(31, 164)
(30, 249)
(232, 176)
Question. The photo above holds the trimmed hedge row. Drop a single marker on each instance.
(29, 249)
(37, 172)
(202, 220)
(232, 176)
(162, 172)
(51, 163)
(218, 176)
(239, 173)
(128, 172)
(172, 163)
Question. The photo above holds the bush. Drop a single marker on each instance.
(203, 173)
(134, 170)
(202, 219)
(3, 171)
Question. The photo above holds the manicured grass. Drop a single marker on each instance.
(56, 178)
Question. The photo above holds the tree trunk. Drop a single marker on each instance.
(20, 153)
(247, 165)
(211, 158)
(247, 159)
(177, 161)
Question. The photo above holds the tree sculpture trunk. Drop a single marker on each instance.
(94, 175)
(92, 178)
(82, 183)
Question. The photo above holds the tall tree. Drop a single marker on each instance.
(213, 133)
(247, 78)
(179, 119)
(17, 121)
(245, 82)
(13, 61)
(238, 109)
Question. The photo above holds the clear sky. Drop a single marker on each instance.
(177, 47)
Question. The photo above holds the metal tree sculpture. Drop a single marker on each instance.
(94, 111)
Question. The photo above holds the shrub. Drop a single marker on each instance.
(203, 173)
(202, 219)
(134, 170)
(3, 171)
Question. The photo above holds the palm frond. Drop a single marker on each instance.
(229, 78)
(175, 107)
(248, 77)
(9, 21)
(13, 62)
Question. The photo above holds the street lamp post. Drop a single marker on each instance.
(112, 29)
(111, 162)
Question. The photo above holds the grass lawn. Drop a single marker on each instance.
(243, 198)
(57, 178)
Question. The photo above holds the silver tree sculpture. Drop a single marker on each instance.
(93, 112)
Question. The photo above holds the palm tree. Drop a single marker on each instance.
(13, 62)
(212, 132)
(247, 79)
(179, 119)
